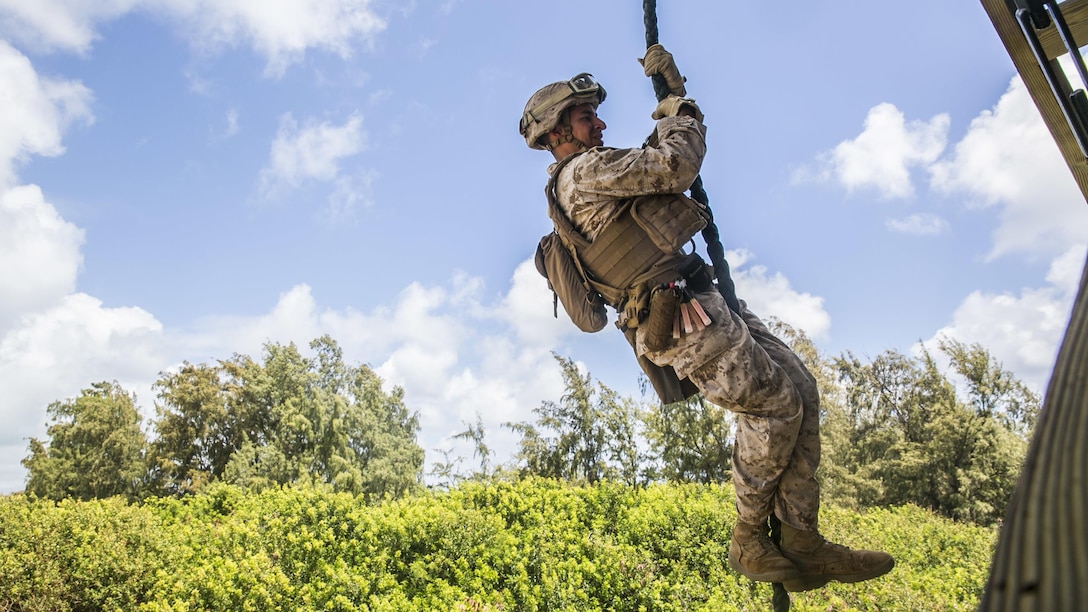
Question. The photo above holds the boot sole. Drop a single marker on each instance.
(779, 576)
(808, 583)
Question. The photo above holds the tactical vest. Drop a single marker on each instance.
(642, 245)
(640, 248)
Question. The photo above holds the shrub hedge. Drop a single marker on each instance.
(530, 545)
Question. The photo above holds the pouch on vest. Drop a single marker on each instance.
(657, 331)
(670, 220)
(584, 306)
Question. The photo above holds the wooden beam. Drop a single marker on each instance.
(1076, 17)
(1001, 13)
(1041, 558)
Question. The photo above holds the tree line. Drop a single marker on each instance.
(283, 419)
(896, 429)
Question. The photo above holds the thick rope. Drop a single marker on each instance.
(781, 598)
(710, 234)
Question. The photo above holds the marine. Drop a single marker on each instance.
(622, 220)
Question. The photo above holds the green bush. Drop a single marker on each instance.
(533, 545)
(73, 556)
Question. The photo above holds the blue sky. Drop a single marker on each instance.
(183, 180)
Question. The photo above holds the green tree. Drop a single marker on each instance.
(914, 440)
(328, 423)
(295, 412)
(382, 437)
(286, 419)
(95, 447)
(445, 473)
(480, 450)
(595, 433)
(895, 393)
(621, 418)
(992, 390)
(205, 414)
(844, 478)
(690, 441)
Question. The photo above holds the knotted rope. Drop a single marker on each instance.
(710, 233)
(781, 599)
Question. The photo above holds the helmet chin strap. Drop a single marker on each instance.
(567, 135)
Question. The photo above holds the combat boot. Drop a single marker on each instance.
(821, 561)
(752, 554)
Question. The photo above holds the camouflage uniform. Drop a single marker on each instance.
(736, 362)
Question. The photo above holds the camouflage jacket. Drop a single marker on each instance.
(591, 187)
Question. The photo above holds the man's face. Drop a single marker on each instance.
(586, 126)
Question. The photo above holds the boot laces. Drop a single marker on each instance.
(760, 543)
(765, 543)
(818, 542)
(839, 548)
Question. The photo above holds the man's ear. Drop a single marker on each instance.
(554, 135)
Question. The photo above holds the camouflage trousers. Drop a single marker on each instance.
(777, 405)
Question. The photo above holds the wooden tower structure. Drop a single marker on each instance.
(1041, 560)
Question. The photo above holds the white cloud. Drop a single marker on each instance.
(528, 309)
(79, 334)
(770, 295)
(423, 47)
(881, 157)
(55, 352)
(39, 254)
(1008, 160)
(1023, 330)
(310, 152)
(67, 25)
(232, 123)
(450, 370)
(454, 353)
(294, 318)
(351, 193)
(429, 339)
(36, 111)
(280, 30)
(39, 251)
(1066, 270)
(920, 224)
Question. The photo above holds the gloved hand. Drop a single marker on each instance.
(659, 61)
(671, 105)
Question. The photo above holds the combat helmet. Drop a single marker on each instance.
(544, 110)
